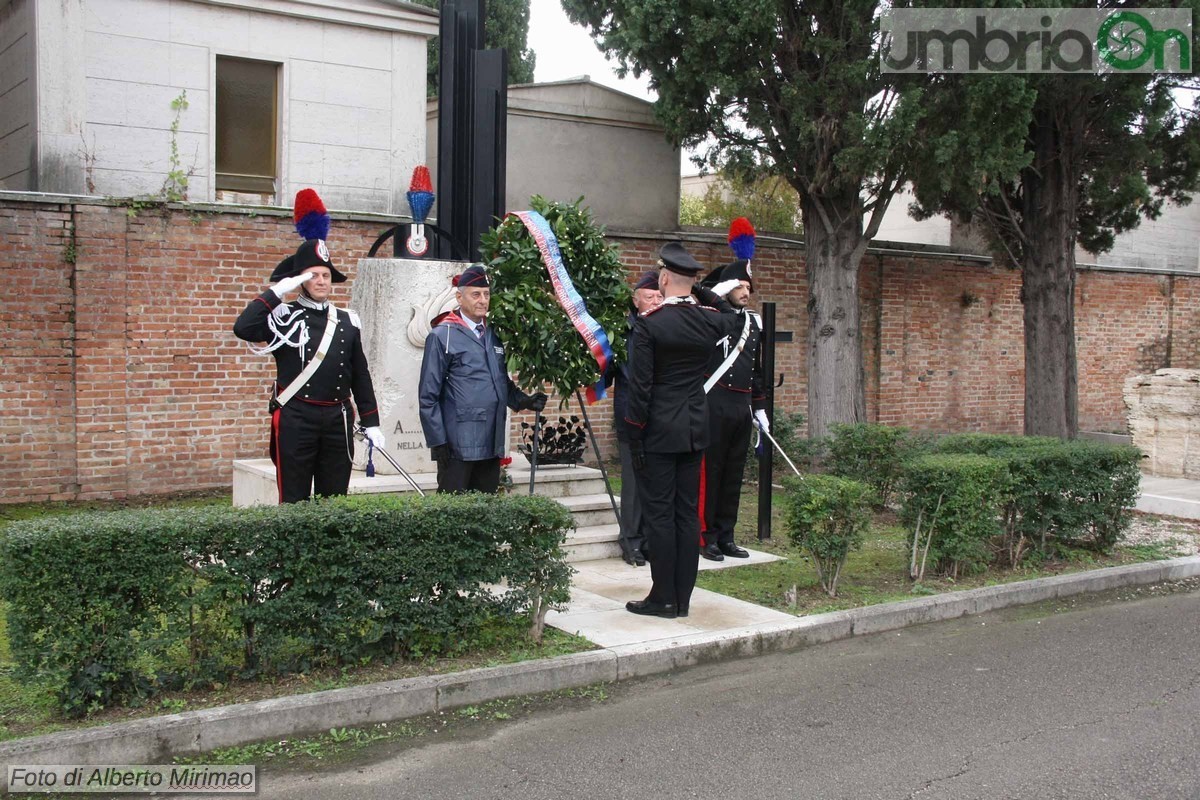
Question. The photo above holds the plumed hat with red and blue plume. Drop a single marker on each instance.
(741, 238)
(741, 242)
(312, 223)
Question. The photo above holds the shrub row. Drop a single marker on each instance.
(974, 499)
(107, 605)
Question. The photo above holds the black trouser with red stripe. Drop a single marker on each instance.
(729, 424)
(312, 447)
(669, 486)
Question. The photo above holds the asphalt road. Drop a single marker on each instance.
(1100, 701)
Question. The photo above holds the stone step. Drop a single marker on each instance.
(590, 510)
(254, 482)
(559, 481)
(593, 543)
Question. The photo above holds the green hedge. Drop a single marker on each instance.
(107, 605)
(952, 505)
(827, 517)
(1074, 492)
(873, 454)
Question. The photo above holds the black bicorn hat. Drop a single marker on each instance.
(313, 253)
(672, 256)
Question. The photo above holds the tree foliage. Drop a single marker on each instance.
(507, 26)
(769, 202)
(792, 89)
(1098, 153)
(542, 345)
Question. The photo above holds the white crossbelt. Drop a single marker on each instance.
(314, 363)
(730, 359)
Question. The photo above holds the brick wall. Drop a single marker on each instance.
(121, 376)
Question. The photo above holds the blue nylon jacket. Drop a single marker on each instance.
(464, 390)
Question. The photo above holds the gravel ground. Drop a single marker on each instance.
(1182, 536)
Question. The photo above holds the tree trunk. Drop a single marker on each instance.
(834, 246)
(1050, 188)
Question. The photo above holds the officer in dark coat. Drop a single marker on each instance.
(668, 415)
(645, 296)
(464, 390)
(735, 401)
(312, 422)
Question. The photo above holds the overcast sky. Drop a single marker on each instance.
(565, 50)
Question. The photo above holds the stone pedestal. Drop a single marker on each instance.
(396, 300)
(1164, 421)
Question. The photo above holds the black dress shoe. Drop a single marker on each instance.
(649, 609)
(681, 612)
(712, 552)
(639, 560)
(733, 551)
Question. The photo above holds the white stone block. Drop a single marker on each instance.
(281, 38)
(357, 167)
(342, 197)
(213, 26)
(191, 67)
(124, 58)
(149, 106)
(306, 165)
(306, 80)
(144, 19)
(136, 149)
(357, 47)
(321, 123)
(373, 129)
(106, 101)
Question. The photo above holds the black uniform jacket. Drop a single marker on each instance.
(743, 381)
(672, 344)
(344, 371)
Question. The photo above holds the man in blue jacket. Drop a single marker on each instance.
(464, 390)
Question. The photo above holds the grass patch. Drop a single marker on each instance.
(878, 573)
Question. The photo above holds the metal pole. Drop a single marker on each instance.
(766, 352)
(599, 461)
(533, 450)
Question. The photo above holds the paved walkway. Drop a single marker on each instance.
(1174, 497)
(600, 590)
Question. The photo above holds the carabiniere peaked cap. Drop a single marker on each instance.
(672, 256)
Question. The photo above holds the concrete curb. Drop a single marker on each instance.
(157, 739)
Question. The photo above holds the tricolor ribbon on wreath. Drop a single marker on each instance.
(568, 298)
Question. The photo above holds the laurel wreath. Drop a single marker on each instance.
(541, 344)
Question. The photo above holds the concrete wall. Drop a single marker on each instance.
(351, 96)
(578, 138)
(17, 88)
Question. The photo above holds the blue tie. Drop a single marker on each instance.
(479, 330)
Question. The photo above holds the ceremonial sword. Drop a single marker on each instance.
(361, 433)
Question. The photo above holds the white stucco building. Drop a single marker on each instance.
(575, 138)
(280, 94)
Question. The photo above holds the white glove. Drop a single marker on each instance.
(290, 284)
(760, 417)
(725, 287)
(375, 436)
